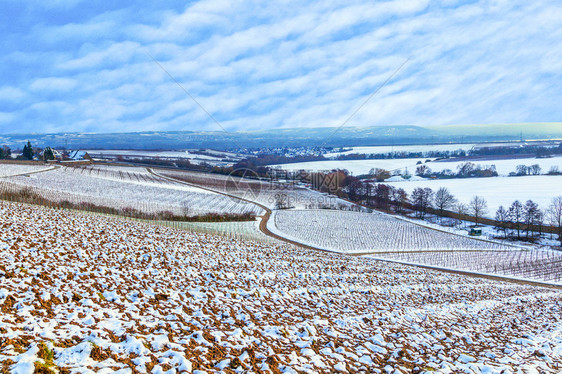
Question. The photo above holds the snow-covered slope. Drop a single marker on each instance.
(85, 293)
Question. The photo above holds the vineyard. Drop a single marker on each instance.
(8, 170)
(263, 192)
(543, 265)
(353, 232)
(389, 238)
(125, 188)
(233, 230)
(153, 195)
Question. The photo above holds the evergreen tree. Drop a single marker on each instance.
(28, 151)
(48, 154)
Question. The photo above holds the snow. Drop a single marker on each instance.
(163, 154)
(259, 191)
(129, 188)
(355, 232)
(108, 294)
(356, 167)
(9, 170)
(408, 241)
(503, 167)
(396, 178)
(74, 356)
(406, 148)
(465, 359)
(496, 190)
(213, 158)
(25, 362)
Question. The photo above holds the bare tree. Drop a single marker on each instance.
(554, 170)
(535, 169)
(422, 170)
(521, 169)
(185, 208)
(531, 213)
(478, 207)
(539, 221)
(281, 201)
(422, 198)
(444, 200)
(555, 215)
(382, 195)
(399, 198)
(380, 174)
(516, 213)
(502, 217)
(461, 210)
(466, 169)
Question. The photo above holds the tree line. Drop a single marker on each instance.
(28, 153)
(521, 221)
(464, 170)
(536, 150)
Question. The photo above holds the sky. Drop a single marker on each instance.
(99, 66)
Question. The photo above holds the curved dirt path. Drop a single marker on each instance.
(54, 167)
(266, 231)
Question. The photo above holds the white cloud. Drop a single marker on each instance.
(53, 84)
(6, 118)
(11, 94)
(52, 4)
(278, 64)
(97, 29)
(114, 53)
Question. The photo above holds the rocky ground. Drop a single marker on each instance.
(84, 293)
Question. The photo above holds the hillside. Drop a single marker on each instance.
(289, 137)
(86, 293)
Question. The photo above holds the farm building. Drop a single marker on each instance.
(79, 156)
(475, 232)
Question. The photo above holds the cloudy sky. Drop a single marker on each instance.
(72, 65)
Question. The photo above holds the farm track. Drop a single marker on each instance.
(266, 231)
(31, 172)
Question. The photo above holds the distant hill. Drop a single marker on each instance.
(509, 131)
(291, 137)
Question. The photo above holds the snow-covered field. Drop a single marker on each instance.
(354, 232)
(357, 167)
(261, 192)
(405, 148)
(192, 157)
(537, 264)
(385, 236)
(133, 187)
(83, 293)
(248, 230)
(7, 170)
(497, 191)
(503, 167)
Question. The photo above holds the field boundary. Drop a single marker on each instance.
(475, 274)
(30, 172)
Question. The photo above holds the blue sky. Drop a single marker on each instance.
(73, 65)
